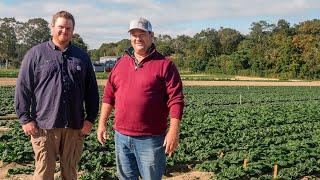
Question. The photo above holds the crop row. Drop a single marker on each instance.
(6, 102)
(214, 97)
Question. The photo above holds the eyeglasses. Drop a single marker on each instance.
(140, 36)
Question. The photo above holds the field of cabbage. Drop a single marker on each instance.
(235, 132)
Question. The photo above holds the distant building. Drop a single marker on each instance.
(105, 63)
(104, 59)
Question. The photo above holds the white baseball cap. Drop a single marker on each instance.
(140, 23)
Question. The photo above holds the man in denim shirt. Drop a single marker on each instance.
(57, 99)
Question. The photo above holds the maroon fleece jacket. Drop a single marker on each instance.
(144, 96)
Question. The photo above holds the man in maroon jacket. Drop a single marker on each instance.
(145, 88)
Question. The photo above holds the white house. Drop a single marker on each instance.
(104, 59)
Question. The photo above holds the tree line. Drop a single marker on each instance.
(268, 50)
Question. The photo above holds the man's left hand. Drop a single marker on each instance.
(87, 126)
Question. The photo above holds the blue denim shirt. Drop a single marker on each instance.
(56, 89)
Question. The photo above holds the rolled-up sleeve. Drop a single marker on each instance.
(91, 94)
(24, 89)
(174, 91)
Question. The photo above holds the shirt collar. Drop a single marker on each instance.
(54, 47)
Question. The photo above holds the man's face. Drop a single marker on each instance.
(141, 40)
(62, 30)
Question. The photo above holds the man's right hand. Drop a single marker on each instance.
(104, 114)
(102, 134)
(30, 128)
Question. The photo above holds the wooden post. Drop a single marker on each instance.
(221, 154)
(275, 170)
(7, 63)
(245, 163)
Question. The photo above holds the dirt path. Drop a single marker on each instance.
(239, 81)
(8, 81)
(250, 83)
(195, 175)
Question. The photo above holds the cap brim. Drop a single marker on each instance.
(139, 29)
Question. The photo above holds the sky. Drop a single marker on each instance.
(105, 21)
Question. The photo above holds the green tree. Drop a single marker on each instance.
(199, 59)
(8, 40)
(94, 54)
(29, 34)
(226, 64)
(202, 47)
(122, 46)
(181, 44)
(34, 31)
(182, 49)
(229, 39)
(179, 60)
(165, 49)
(259, 42)
(259, 30)
(209, 43)
(164, 44)
(283, 27)
(107, 49)
(306, 44)
(78, 41)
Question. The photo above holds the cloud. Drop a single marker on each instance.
(107, 20)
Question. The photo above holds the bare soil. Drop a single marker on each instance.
(8, 81)
(251, 83)
(9, 117)
(237, 81)
(244, 81)
(195, 175)
(247, 78)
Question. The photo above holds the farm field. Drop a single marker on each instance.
(236, 132)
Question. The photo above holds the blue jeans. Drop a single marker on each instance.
(142, 155)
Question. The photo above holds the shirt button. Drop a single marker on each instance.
(64, 101)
